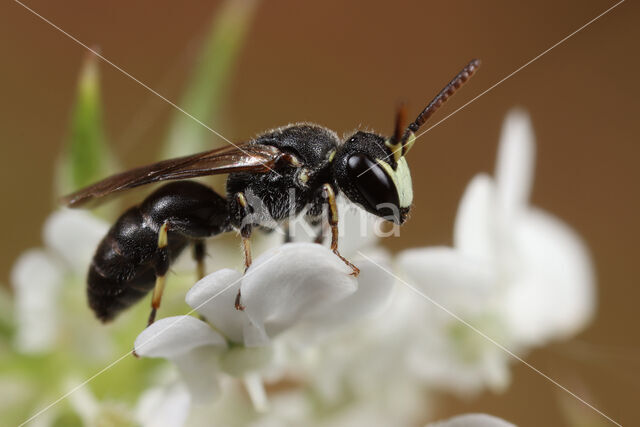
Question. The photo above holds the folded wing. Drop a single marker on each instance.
(255, 158)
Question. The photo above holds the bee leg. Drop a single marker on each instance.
(320, 236)
(315, 219)
(330, 197)
(245, 233)
(287, 233)
(161, 267)
(199, 253)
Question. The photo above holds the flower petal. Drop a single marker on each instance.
(441, 365)
(240, 360)
(455, 281)
(474, 230)
(255, 387)
(375, 288)
(74, 235)
(553, 294)
(165, 406)
(472, 420)
(172, 337)
(199, 370)
(214, 297)
(514, 166)
(290, 282)
(191, 345)
(36, 280)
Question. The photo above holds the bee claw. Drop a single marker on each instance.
(355, 271)
(237, 304)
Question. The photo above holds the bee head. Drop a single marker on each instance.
(372, 170)
(371, 175)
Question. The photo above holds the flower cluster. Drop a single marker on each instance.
(314, 345)
(317, 346)
(515, 272)
(515, 275)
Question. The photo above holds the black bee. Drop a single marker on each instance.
(297, 168)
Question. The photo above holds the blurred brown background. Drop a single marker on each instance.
(345, 64)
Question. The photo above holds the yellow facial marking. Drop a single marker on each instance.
(409, 144)
(396, 148)
(401, 178)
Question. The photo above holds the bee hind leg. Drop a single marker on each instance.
(161, 267)
(199, 253)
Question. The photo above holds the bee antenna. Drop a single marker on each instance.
(394, 143)
(409, 134)
(401, 115)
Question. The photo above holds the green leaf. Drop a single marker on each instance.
(85, 157)
(208, 85)
(6, 315)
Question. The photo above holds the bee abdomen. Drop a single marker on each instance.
(124, 266)
(122, 271)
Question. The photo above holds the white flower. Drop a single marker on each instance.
(36, 282)
(304, 281)
(298, 288)
(515, 272)
(94, 412)
(38, 275)
(73, 235)
(164, 406)
(472, 420)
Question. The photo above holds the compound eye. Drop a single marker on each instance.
(374, 184)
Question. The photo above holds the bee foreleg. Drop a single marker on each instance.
(330, 197)
(245, 234)
(319, 226)
(320, 235)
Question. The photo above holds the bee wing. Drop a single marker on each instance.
(248, 158)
